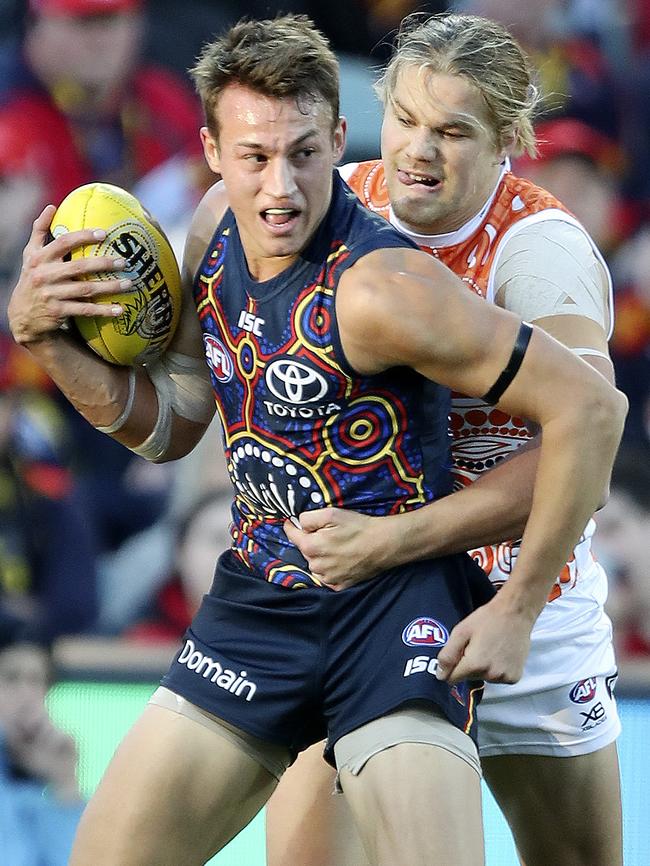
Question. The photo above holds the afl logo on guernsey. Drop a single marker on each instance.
(584, 691)
(294, 381)
(218, 358)
(425, 631)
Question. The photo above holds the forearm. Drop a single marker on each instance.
(96, 389)
(494, 508)
(573, 470)
(101, 393)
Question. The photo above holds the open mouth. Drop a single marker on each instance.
(416, 178)
(279, 217)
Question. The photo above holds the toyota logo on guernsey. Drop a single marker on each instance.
(425, 631)
(218, 358)
(584, 691)
(294, 381)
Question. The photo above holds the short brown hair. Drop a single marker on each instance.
(283, 57)
(483, 51)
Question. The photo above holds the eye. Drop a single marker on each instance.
(255, 158)
(403, 120)
(453, 133)
(304, 153)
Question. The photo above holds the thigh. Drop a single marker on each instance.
(307, 824)
(418, 804)
(564, 811)
(175, 792)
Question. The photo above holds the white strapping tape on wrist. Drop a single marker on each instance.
(122, 418)
(183, 388)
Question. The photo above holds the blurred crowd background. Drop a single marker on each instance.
(94, 540)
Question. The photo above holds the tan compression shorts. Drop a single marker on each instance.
(411, 724)
(272, 757)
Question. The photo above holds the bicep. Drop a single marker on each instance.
(413, 311)
(419, 314)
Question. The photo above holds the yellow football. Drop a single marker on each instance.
(150, 311)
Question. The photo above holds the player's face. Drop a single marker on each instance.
(440, 159)
(275, 157)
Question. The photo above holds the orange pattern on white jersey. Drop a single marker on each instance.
(483, 435)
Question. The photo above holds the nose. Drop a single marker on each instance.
(280, 180)
(422, 145)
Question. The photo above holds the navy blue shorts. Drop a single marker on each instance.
(293, 666)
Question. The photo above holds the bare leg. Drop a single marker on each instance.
(306, 824)
(564, 811)
(417, 804)
(174, 793)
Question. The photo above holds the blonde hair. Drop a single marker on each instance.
(482, 51)
(283, 57)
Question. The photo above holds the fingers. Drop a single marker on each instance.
(41, 225)
(77, 299)
(66, 241)
(63, 244)
(320, 518)
(450, 656)
(293, 533)
(460, 659)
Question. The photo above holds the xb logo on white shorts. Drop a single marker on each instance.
(594, 717)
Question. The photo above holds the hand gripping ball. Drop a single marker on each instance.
(152, 308)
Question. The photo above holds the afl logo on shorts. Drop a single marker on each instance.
(584, 691)
(425, 631)
(218, 358)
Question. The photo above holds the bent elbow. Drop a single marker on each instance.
(608, 410)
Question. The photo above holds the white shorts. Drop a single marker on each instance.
(564, 703)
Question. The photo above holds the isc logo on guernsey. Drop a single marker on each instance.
(213, 670)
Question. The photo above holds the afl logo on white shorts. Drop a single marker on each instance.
(218, 358)
(425, 631)
(584, 691)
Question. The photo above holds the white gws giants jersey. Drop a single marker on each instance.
(483, 435)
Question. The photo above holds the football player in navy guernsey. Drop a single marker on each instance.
(322, 328)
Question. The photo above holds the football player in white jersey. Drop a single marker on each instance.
(459, 96)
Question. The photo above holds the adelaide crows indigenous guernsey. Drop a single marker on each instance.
(302, 429)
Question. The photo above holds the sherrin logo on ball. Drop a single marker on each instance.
(151, 309)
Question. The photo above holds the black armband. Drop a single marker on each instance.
(510, 370)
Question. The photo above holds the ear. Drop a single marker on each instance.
(508, 144)
(210, 150)
(340, 133)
